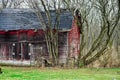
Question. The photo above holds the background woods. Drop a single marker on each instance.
(100, 29)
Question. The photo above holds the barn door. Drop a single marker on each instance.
(20, 51)
(25, 51)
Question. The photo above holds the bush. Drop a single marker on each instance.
(0, 70)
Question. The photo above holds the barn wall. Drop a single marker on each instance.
(21, 44)
(11, 36)
(63, 46)
(29, 44)
(2, 36)
(74, 40)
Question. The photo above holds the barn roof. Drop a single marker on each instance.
(15, 19)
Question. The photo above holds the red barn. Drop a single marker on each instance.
(22, 37)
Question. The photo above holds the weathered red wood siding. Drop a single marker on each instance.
(74, 40)
(22, 39)
(2, 36)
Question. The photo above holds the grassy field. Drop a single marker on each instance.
(17, 73)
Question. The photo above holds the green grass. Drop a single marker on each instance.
(17, 73)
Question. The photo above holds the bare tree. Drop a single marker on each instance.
(11, 3)
(100, 18)
(51, 35)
